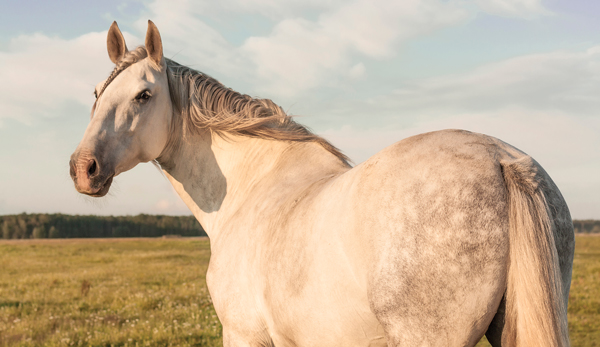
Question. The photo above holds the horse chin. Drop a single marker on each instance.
(104, 190)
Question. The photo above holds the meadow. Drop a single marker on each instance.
(152, 292)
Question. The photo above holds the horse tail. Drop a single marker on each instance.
(535, 307)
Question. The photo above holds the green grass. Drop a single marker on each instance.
(110, 293)
(584, 298)
(152, 292)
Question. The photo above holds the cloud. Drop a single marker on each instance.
(308, 45)
(189, 38)
(43, 76)
(513, 8)
(311, 45)
(301, 54)
(327, 45)
(170, 205)
(275, 10)
(556, 81)
(357, 71)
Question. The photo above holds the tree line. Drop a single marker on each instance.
(40, 226)
(587, 226)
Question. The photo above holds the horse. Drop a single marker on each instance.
(436, 240)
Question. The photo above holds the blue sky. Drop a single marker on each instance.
(364, 74)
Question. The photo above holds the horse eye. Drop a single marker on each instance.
(145, 95)
(95, 94)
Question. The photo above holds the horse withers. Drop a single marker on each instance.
(435, 241)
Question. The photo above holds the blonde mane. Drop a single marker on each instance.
(205, 103)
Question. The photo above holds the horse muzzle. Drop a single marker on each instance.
(88, 176)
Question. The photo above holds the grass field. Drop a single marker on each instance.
(152, 292)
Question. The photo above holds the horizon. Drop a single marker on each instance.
(361, 74)
(157, 215)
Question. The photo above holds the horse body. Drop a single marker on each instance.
(434, 241)
(414, 239)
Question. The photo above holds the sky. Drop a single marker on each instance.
(362, 73)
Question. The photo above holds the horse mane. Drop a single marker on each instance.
(205, 103)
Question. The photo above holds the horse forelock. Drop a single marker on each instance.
(130, 58)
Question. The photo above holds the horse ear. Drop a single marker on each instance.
(115, 43)
(154, 44)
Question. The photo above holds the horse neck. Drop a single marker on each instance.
(215, 175)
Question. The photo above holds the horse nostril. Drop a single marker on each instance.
(92, 168)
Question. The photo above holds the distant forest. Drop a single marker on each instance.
(41, 226)
(588, 226)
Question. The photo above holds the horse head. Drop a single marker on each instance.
(131, 117)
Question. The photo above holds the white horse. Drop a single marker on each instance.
(435, 241)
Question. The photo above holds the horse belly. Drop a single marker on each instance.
(299, 288)
(317, 285)
(334, 313)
